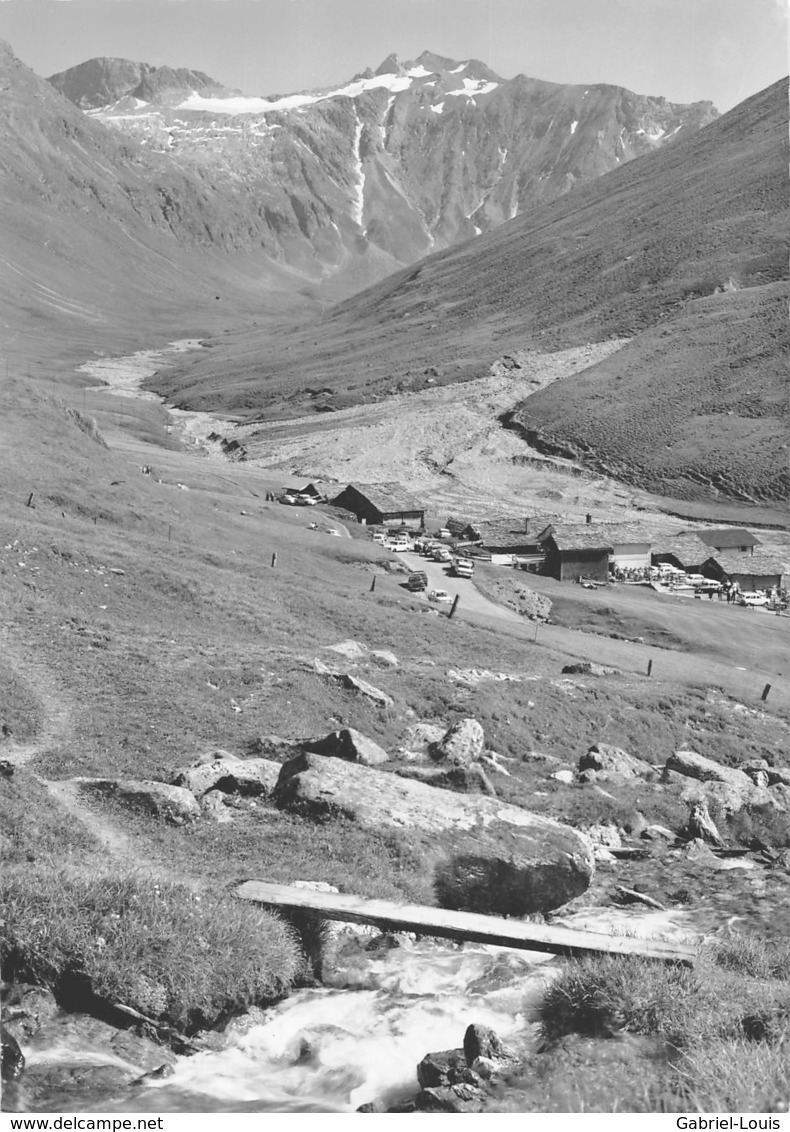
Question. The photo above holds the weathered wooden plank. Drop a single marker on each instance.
(462, 926)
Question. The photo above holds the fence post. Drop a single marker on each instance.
(766, 690)
(649, 667)
(274, 559)
(456, 599)
(373, 584)
(30, 499)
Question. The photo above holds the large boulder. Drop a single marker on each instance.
(462, 744)
(253, 777)
(485, 856)
(726, 788)
(173, 803)
(350, 745)
(613, 762)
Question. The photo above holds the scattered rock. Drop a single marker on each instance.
(351, 650)
(379, 698)
(173, 803)
(699, 852)
(441, 1068)
(213, 757)
(213, 806)
(26, 1008)
(13, 1060)
(452, 1098)
(587, 668)
(489, 856)
(564, 776)
(692, 765)
(702, 825)
(384, 658)
(658, 833)
(350, 745)
(482, 1041)
(461, 744)
(158, 1074)
(418, 738)
(606, 834)
(252, 777)
(632, 896)
(778, 776)
(612, 762)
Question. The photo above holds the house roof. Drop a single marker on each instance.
(584, 536)
(728, 537)
(752, 564)
(388, 497)
(510, 532)
(687, 548)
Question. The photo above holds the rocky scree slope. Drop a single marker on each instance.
(684, 251)
(396, 163)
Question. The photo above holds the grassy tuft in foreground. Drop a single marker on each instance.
(710, 1039)
(182, 957)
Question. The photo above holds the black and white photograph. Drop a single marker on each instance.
(394, 559)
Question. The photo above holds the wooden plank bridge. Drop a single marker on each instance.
(461, 926)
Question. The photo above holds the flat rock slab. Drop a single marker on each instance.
(174, 803)
(255, 777)
(486, 856)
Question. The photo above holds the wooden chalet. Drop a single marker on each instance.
(523, 538)
(751, 572)
(574, 552)
(730, 540)
(380, 503)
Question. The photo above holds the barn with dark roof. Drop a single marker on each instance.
(379, 503)
(578, 552)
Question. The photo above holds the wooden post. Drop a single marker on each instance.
(649, 667)
(169, 531)
(766, 690)
(274, 559)
(30, 499)
(373, 584)
(456, 599)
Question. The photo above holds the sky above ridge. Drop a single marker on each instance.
(686, 50)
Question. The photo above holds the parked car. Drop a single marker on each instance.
(463, 567)
(443, 533)
(417, 581)
(751, 597)
(442, 554)
(378, 536)
(439, 595)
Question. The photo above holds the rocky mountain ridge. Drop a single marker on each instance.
(413, 157)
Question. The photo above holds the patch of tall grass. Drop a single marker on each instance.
(183, 957)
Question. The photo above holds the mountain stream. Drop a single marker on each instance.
(327, 1048)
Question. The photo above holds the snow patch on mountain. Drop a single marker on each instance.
(438, 108)
(473, 87)
(358, 202)
(573, 126)
(246, 105)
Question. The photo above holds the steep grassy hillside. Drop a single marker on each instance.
(699, 402)
(647, 245)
